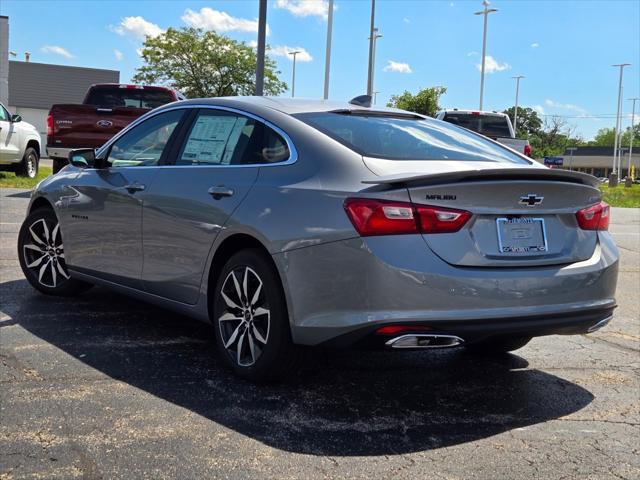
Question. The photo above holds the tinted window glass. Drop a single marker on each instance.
(144, 144)
(112, 97)
(401, 138)
(490, 125)
(219, 137)
(4, 115)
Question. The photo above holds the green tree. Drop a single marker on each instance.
(605, 137)
(425, 102)
(529, 123)
(204, 64)
(553, 138)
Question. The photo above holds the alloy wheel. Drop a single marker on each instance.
(45, 255)
(246, 318)
(31, 166)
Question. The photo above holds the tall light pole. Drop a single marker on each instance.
(375, 97)
(633, 116)
(371, 48)
(515, 115)
(327, 58)
(293, 79)
(571, 150)
(486, 13)
(376, 36)
(617, 130)
(262, 32)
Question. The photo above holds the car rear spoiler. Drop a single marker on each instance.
(542, 174)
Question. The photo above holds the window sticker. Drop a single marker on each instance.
(208, 139)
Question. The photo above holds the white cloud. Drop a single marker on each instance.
(397, 67)
(137, 27)
(566, 106)
(55, 49)
(283, 51)
(118, 54)
(406, 20)
(210, 19)
(492, 65)
(539, 109)
(305, 8)
(535, 45)
(472, 54)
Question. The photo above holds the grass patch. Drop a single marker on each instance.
(621, 196)
(11, 180)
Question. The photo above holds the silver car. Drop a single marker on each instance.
(288, 223)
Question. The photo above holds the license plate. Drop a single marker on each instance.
(521, 235)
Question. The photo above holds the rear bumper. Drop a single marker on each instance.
(340, 292)
(59, 152)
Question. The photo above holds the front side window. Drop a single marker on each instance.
(4, 115)
(218, 137)
(145, 143)
(402, 137)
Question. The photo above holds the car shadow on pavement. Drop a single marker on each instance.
(344, 403)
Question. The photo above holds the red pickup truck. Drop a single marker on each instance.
(107, 108)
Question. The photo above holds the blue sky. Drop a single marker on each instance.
(564, 48)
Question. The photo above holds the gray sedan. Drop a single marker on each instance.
(288, 223)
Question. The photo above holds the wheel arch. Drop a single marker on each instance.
(229, 247)
(40, 202)
(33, 143)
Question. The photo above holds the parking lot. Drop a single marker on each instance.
(101, 386)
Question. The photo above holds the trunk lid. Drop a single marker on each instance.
(521, 216)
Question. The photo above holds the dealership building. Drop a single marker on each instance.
(30, 88)
(598, 161)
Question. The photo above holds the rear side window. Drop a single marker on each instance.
(112, 97)
(405, 138)
(493, 126)
(219, 137)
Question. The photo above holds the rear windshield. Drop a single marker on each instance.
(407, 138)
(127, 97)
(493, 126)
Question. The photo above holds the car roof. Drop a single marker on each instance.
(289, 105)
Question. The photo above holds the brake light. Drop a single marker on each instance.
(49, 125)
(595, 217)
(379, 217)
(527, 150)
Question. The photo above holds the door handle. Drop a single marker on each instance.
(134, 187)
(220, 191)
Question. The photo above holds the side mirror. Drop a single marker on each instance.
(82, 158)
(16, 118)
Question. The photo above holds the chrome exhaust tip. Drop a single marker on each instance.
(600, 324)
(424, 340)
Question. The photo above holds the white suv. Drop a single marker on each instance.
(19, 145)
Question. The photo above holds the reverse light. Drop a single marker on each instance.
(372, 217)
(595, 217)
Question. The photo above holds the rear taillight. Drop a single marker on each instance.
(527, 150)
(595, 217)
(380, 217)
(49, 125)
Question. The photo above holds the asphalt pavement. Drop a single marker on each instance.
(101, 386)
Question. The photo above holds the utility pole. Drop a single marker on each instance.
(633, 116)
(571, 149)
(486, 13)
(375, 97)
(515, 115)
(293, 80)
(327, 58)
(371, 48)
(262, 32)
(617, 129)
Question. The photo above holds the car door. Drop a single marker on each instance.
(207, 176)
(101, 212)
(9, 138)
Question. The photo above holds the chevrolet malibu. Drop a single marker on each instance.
(287, 223)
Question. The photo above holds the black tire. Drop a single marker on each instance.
(498, 345)
(58, 164)
(263, 339)
(28, 167)
(41, 256)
